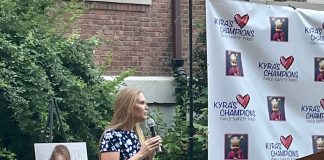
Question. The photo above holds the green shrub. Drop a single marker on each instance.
(38, 64)
(176, 138)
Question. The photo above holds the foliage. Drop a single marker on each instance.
(38, 64)
(176, 139)
(4, 154)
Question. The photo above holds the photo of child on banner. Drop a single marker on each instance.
(236, 146)
(279, 29)
(318, 143)
(233, 64)
(319, 69)
(276, 108)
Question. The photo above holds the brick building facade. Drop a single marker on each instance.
(141, 36)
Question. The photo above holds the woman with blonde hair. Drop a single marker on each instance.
(123, 138)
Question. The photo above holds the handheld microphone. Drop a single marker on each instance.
(151, 124)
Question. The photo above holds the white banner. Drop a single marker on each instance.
(265, 81)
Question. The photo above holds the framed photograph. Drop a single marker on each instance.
(69, 151)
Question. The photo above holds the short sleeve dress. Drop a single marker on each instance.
(117, 140)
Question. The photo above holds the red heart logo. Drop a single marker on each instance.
(244, 101)
(322, 103)
(286, 62)
(286, 141)
(241, 21)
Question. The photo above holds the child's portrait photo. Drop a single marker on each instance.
(61, 151)
(236, 146)
(276, 108)
(279, 29)
(234, 64)
(319, 69)
(318, 143)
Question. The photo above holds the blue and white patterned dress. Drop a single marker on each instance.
(117, 140)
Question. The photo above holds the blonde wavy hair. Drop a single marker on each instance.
(124, 103)
(60, 150)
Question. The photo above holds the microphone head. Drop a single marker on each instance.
(150, 122)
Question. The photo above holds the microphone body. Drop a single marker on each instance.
(152, 130)
(151, 125)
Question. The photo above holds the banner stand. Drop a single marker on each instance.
(48, 130)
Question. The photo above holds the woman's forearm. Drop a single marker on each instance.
(137, 156)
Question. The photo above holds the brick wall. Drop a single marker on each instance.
(140, 36)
